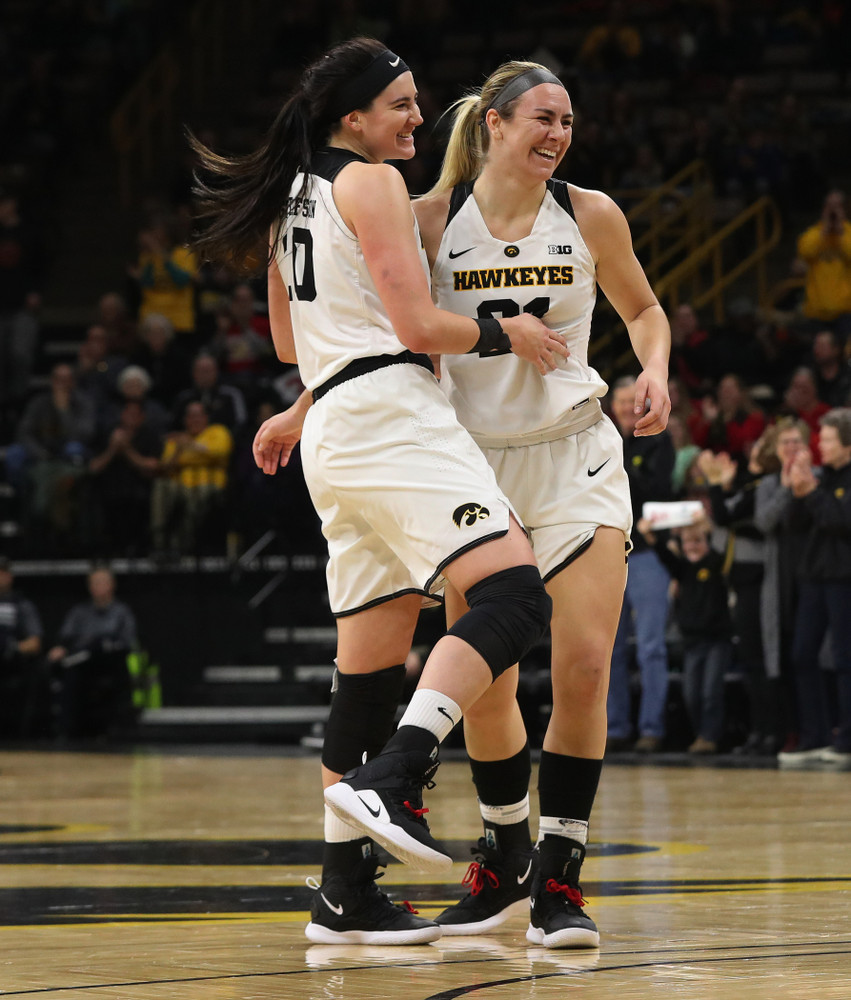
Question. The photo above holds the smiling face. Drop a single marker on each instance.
(537, 134)
(384, 131)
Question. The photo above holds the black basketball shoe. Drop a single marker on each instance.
(557, 919)
(499, 889)
(384, 798)
(351, 909)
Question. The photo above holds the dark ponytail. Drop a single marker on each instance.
(240, 198)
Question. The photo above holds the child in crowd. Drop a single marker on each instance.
(703, 615)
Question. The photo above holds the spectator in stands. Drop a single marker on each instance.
(192, 481)
(20, 299)
(821, 510)
(832, 371)
(649, 462)
(732, 497)
(824, 254)
(90, 662)
(98, 368)
(49, 455)
(613, 47)
(783, 552)
(224, 403)
(686, 473)
(166, 273)
(801, 400)
(703, 615)
(134, 384)
(161, 358)
(243, 340)
(20, 644)
(735, 421)
(122, 469)
(691, 350)
(114, 316)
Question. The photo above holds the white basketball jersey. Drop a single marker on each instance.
(549, 273)
(337, 315)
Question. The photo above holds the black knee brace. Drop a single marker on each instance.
(363, 708)
(509, 612)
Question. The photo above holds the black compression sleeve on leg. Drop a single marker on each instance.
(502, 782)
(567, 786)
(509, 611)
(363, 710)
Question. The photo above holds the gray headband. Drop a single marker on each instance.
(356, 93)
(520, 84)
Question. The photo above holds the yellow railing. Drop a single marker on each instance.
(144, 126)
(705, 275)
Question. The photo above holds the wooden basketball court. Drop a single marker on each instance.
(158, 874)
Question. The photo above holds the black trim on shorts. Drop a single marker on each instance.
(577, 552)
(461, 551)
(362, 366)
(383, 600)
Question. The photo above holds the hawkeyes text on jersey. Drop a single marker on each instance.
(513, 277)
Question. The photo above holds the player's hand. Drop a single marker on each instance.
(276, 438)
(534, 342)
(652, 402)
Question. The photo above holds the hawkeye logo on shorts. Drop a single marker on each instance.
(469, 513)
(559, 248)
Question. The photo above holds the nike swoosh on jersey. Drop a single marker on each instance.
(338, 909)
(377, 813)
(460, 253)
(395, 62)
(593, 472)
(522, 878)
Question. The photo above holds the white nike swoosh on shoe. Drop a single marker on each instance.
(338, 909)
(522, 878)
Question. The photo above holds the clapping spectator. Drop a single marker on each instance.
(122, 470)
(821, 510)
(98, 368)
(192, 481)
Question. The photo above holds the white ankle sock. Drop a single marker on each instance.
(433, 711)
(555, 826)
(338, 831)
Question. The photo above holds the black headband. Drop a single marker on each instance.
(359, 91)
(520, 84)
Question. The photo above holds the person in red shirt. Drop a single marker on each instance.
(735, 421)
(801, 400)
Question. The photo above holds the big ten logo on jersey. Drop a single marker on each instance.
(304, 207)
(512, 277)
(559, 248)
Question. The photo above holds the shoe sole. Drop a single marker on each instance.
(516, 909)
(569, 937)
(325, 935)
(345, 803)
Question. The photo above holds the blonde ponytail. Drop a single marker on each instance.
(469, 139)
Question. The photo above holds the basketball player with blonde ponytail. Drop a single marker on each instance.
(503, 238)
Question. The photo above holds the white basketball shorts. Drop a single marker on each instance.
(401, 488)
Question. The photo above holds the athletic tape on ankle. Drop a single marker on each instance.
(505, 815)
(556, 826)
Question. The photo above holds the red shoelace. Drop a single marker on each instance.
(476, 876)
(419, 813)
(573, 895)
(408, 906)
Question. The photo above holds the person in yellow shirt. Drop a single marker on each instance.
(166, 274)
(192, 481)
(825, 250)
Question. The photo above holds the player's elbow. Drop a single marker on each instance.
(416, 334)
